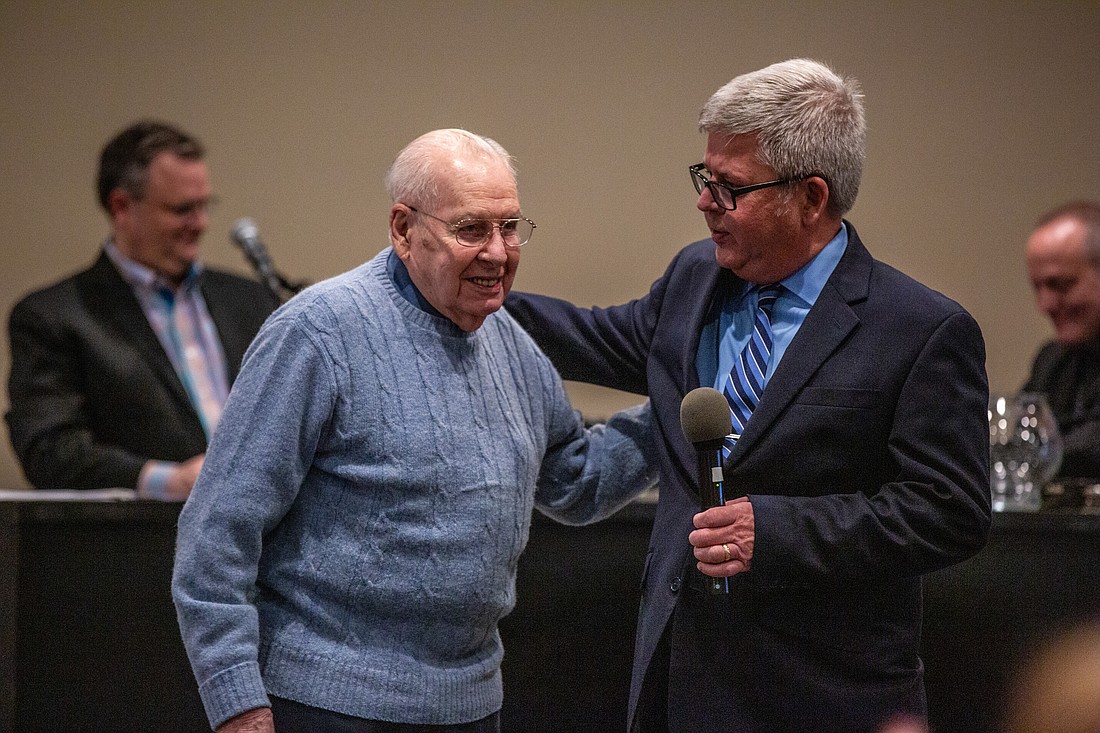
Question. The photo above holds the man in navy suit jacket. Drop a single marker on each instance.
(864, 466)
(119, 371)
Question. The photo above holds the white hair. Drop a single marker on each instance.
(413, 179)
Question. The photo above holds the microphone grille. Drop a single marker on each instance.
(705, 415)
(244, 229)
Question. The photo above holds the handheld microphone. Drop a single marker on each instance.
(246, 235)
(705, 420)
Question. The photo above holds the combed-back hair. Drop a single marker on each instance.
(807, 120)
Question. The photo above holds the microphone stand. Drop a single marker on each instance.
(287, 289)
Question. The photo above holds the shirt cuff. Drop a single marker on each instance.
(152, 482)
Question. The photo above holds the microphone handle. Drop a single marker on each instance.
(712, 494)
(264, 267)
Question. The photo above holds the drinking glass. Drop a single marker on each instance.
(1025, 450)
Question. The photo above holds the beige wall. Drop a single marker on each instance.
(981, 116)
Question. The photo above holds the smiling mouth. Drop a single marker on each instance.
(485, 282)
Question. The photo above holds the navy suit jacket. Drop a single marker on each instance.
(866, 463)
(92, 392)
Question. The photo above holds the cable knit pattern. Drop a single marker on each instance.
(352, 540)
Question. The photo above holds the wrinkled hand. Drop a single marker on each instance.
(731, 526)
(257, 720)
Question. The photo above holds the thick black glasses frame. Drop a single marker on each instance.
(700, 181)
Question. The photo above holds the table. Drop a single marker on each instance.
(88, 636)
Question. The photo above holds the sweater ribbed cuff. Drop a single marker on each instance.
(232, 692)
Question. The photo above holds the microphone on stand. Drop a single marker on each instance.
(705, 420)
(246, 235)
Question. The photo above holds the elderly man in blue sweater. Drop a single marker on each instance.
(352, 540)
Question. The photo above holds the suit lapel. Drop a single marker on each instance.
(707, 278)
(690, 319)
(110, 299)
(222, 313)
(827, 325)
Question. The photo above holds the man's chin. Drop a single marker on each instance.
(727, 261)
(1071, 336)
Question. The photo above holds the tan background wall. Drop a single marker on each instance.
(982, 115)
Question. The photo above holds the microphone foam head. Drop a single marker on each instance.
(705, 416)
(244, 229)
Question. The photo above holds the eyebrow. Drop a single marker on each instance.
(722, 178)
(486, 217)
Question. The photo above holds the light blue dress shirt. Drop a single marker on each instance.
(723, 339)
(207, 390)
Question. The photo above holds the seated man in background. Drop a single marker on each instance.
(353, 538)
(1063, 262)
(119, 372)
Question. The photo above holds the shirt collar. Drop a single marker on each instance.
(808, 281)
(402, 280)
(140, 276)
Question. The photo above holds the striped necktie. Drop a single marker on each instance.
(745, 383)
(188, 358)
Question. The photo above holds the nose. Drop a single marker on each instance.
(200, 218)
(494, 250)
(1046, 300)
(706, 202)
(196, 216)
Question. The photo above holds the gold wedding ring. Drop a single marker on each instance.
(727, 549)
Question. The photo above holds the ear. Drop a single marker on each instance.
(119, 203)
(817, 199)
(399, 230)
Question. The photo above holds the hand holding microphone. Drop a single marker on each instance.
(724, 534)
(705, 420)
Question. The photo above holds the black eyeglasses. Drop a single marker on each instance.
(478, 232)
(726, 196)
(188, 209)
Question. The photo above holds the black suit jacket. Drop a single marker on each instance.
(866, 463)
(92, 393)
(1070, 378)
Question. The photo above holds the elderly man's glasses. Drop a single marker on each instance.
(726, 196)
(478, 232)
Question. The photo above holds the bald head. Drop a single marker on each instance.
(1063, 263)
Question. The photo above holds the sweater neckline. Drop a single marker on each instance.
(438, 324)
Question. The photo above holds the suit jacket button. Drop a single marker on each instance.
(675, 587)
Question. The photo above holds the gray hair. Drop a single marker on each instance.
(1086, 212)
(412, 178)
(807, 119)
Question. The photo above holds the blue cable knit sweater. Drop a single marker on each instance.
(352, 539)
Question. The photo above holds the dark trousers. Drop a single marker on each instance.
(294, 717)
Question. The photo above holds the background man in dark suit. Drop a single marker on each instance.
(1063, 262)
(863, 466)
(119, 372)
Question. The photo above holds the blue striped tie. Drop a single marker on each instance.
(746, 380)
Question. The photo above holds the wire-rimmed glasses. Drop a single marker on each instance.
(478, 232)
